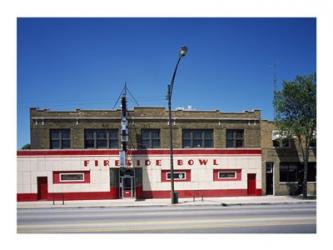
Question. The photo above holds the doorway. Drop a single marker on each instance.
(269, 178)
(251, 184)
(126, 183)
(42, 190)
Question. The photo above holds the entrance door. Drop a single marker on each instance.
(269, 183)
(42, 192)
(127, 183)
(251, 184)
(269, 178)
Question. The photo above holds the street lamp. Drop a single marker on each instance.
(182, 53)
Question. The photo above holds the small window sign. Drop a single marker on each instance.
(227, 175)
(72, 177)
(177, 176)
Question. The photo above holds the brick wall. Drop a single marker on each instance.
(276, 156)
(41, 121)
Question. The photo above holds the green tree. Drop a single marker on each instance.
(26, 146)
(295, 111)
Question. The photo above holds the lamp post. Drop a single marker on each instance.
(182, 53)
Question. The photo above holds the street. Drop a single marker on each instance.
(288, 218)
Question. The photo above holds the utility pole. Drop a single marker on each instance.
(124, 130)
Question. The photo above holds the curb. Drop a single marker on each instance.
(223, 204)
(267, 203)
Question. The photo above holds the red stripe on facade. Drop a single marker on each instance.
(196, 193)
(66, 152)
(113, 194)
(26, 197)
(108, 152)
(139, 192)
(199, 193)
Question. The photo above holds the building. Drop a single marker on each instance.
(75, 155)
(283, 163)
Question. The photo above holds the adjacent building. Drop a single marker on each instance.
(283, 163)
(75, 156)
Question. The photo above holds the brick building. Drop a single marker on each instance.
(75, 155)
(283, 163)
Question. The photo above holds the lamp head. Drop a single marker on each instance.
(183, 51)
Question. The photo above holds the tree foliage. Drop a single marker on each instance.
(26, 146)
(296, 115)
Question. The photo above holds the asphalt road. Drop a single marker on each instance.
(296, 218)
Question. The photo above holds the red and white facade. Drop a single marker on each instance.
(82, 174)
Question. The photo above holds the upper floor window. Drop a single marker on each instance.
(235, 138)
(280, 139)
(101, 138)
(198, 138)
(150, 138)
(281, 143)
(60, 139)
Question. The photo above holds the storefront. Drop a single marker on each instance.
(74, 174)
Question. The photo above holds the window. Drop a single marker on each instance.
(150, 138)
(293, 172)
(281, 143)
(60, 139)
(178, 175)
(71, 177)
(198, 138)
(227, 174)
(101, 138)
(312, 171)
(269, 167)
(235, 138)
(288, 172)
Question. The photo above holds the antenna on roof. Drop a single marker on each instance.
(274, 67)
(124, 92)
(274, 77)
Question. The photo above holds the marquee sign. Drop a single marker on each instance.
(155, 162)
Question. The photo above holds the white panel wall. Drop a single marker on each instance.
(29, 168)
(202, 176)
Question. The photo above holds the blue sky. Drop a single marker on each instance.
(64, 64)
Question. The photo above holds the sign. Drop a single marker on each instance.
(122, 157)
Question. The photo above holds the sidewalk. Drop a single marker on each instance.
(218, 201)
